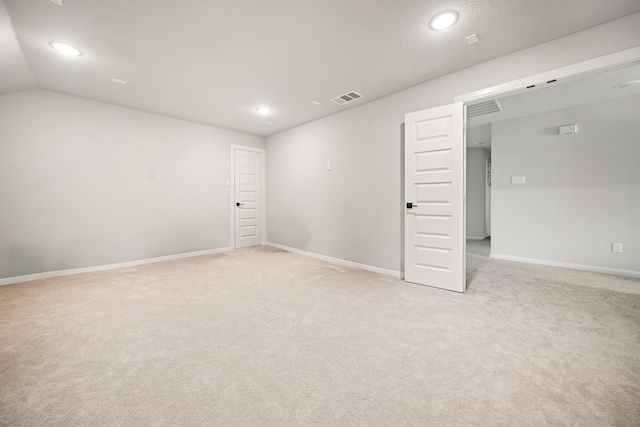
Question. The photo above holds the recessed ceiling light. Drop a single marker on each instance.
(65, 49)
(444, 20)
(315, 102)
(263, 110)
(627, 84)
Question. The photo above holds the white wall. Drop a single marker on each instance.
(355, 211)
(476, 193)
(582, 191)
(83, 183)
(15, 73)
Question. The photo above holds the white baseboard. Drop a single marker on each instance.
(46, 275)
(594, 269)
(477, 237)
(338, 260)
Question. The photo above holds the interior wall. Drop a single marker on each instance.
(83, 183)
(15, 73)
(355, 212)
(476, 195)
(582, 191)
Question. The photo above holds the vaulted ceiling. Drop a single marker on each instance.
(215, 61)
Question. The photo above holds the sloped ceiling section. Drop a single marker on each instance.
(15, 73)
(215, 61)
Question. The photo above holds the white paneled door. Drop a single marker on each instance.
(434, 198)
(248, 197)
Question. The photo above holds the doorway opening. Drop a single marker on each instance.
(559, 176)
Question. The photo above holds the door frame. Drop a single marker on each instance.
(232, 192)
(538, 81)
(534, 82)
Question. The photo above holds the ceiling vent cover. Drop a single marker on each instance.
(346, 98)
(487, 107)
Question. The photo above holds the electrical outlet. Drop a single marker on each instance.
(616, 247)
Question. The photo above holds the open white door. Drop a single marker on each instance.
(434, 198)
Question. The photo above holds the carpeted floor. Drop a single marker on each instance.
(263, 337)
(479, 247)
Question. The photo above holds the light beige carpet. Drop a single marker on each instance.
(479, 247)
(262, 337)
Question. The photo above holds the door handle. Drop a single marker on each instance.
(411, 206)
(239, 204)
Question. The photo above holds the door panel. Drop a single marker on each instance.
(248, 213)
(434, 185)
(248, 194)
(437, 160)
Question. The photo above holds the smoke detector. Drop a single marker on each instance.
(346, 98)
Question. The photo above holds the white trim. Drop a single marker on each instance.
(569, 71)
(47, 274)
(338, 260)
(477, 237)
(263, 222)
(591, 268)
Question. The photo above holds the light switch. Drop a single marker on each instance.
(518, 179)
(328, 166)
(228, 182)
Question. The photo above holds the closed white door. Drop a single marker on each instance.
(248, 198)
(434, 198)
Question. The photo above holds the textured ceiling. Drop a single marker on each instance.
(215, 61)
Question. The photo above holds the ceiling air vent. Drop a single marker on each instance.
(483, 108)
(346, 98)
